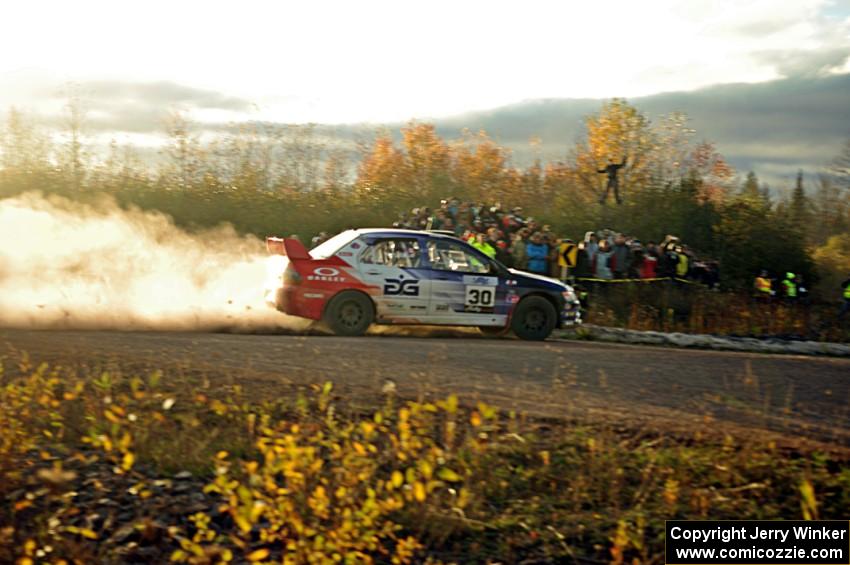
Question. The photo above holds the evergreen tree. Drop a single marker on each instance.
(799, 206)
(751, 186)
(840, 166)
(754, 192)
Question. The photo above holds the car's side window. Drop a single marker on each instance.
(404, 253)
(451, 256)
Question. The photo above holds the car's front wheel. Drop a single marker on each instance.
(349, 313)
(534, 318)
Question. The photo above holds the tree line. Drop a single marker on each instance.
(283, 179)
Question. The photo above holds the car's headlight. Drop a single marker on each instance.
(569, 295)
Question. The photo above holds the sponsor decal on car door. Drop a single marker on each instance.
(393, 267)
(463, 289)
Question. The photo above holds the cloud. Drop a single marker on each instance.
(114, 105)
(141, 107)
(788, 123)
(162, 93)
(778, 111)
(806, 64)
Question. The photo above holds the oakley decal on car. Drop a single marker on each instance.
(327, 274)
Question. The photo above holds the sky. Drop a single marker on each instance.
(774, 128)
(387, 61)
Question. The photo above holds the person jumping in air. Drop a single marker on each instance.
(613, 181)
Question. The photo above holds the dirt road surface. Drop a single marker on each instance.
(761, 394)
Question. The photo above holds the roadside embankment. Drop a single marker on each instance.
(705, 341)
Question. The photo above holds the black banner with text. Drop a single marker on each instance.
(744, 542)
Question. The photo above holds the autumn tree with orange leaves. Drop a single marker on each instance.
(382, 173)
(426, 168)
(619, 131)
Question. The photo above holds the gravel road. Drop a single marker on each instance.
(789, 395)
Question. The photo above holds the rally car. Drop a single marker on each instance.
(395, 276)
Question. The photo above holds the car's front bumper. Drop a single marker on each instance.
(571, 314)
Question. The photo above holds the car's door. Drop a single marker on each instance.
(396, 267)
(465, 286)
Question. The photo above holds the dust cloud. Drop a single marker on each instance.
(69, 265)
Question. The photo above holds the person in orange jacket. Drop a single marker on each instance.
(762, 286)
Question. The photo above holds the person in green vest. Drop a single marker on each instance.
(682, 263)
(789, 285)
(482, 245)
(845, 291)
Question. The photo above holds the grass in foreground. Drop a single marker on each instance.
(112, 467)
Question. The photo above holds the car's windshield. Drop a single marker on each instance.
(331, 246)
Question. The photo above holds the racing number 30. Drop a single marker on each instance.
(480, 296)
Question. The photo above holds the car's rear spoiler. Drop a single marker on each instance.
(288, 247)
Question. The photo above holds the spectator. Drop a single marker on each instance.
(602, 261)
(682, 263)
(538, 254)
(553, 243)
(494, 235)
(636, 259)
(464, 216)
(845, 293)
(318, 239)
(763, 287)
(503, 254)
(437, 220)
(611, 171)
(620, 263)
(518, 253)
(453, 206)
(669, 261)
(513, 221)
(583, 262)
(789, 287)
(649, 267)
(449, 225)
(591, 245)
(480, 243)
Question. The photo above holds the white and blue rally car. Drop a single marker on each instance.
(394, 276)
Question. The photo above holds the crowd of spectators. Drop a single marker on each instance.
(606, 254)
(524, 243)
(521, 242)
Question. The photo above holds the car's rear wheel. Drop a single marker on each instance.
(349, 313)
(534, 318)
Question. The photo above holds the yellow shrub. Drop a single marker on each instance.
(326, 490)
